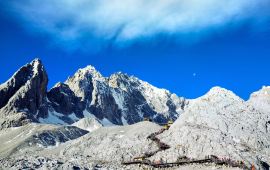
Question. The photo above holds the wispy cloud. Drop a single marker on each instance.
(93, 22)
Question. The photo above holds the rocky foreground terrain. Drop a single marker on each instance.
(95, 122)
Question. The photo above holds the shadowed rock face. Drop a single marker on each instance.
(23, 96)
(64, 101)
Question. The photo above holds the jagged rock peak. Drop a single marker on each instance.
(88, 71)
(84, 78)
(33, 70)
(119, 75)
(23, 95)
(37, 64)
(121, 80)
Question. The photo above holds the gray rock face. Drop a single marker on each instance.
(118, 99)
(23, 96)
(260, 100)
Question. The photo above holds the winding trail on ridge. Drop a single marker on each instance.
(183, 160)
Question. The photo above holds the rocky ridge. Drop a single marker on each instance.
(116, 100)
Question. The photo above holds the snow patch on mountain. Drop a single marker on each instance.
(73, 117)
(53, 118)
(89, 124)
(119, 99)
(106, 122)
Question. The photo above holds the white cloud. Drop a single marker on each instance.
(129, 20)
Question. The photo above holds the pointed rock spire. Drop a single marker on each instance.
(25, 93)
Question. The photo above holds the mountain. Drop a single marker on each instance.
(115, 100)
(95, 122)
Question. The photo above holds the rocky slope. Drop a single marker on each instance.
(16, 140)
(220, 123)
(104, 148)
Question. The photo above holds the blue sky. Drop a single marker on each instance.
(184, 46)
